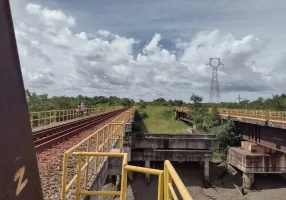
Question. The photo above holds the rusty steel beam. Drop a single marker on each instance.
(19, 176)
(270, 137)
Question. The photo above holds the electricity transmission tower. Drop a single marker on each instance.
(215, 92)
(240, 98)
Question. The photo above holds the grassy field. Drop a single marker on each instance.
(160, 119)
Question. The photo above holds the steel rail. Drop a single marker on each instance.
(51, 136)
(43, 132)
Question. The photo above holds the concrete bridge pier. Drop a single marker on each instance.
(147, 176)
(207, 171)
(130, 175)
(118, 182)
(247, 180)
(252, 159)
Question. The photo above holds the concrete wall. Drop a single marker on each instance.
(176, 141)
(256, 163)
(257, 121)
(176, 155)
(99, 180)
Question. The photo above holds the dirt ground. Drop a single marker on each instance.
(269, 187)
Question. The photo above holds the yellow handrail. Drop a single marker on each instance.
(170, 175)
(101, 140)
(97, 147)
(264, 115)
(165, 177)
(44, 118)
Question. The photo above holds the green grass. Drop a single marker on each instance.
(160, 119)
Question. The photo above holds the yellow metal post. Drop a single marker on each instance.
(123, 182)
(96, 158)
(103, 143)
(87, 162)
(108, 138)
(64, 178)
(160, 186)
(78, 178)
(121, 137)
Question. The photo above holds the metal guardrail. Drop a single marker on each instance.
(166, 190)
(101, 140)
(44, 118)
(264, 115)
(181, 109)
(97, 147)
(170, 176)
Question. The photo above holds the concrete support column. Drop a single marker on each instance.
(110, 177)
(207, 171)
(247, 180)
(147, 176)
(130, 175)
(118, 182)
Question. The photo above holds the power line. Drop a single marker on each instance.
(215, 91)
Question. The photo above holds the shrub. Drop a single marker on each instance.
(142, 114)
(166, 113)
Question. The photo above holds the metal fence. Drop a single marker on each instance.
(265, 115)
(96, 150)
(44, 118)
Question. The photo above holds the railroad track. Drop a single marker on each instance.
(50, 136)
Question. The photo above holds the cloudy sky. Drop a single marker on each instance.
(139, 48)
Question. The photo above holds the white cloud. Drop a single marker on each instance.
(49, 17)
(42, 78)
(103, 62)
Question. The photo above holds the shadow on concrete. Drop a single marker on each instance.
(268, 181)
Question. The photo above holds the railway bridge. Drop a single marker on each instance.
(264, 147)
(97, 145)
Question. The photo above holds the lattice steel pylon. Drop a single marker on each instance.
(215, 91)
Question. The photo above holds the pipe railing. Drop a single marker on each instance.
(102, 141)
(97, 149)
(43, 118)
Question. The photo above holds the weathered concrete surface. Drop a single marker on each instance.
(260, 122)
(249, 162)
(128, 127)
(246, 120)
(247, 180)
(100, 179)
(172, 155)
(176, 141)
(256, 148)
(108, 167)
(207, 171)
(115, 163)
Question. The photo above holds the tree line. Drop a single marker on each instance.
(41, 102)
(276, 102)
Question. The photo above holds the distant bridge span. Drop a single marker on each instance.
(264, 127)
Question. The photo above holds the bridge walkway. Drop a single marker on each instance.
(52, 118)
